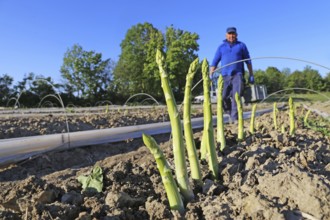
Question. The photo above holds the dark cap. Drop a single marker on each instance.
(231, 30)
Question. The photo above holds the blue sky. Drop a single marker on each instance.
(35, 34)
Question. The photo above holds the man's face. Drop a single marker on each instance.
(231, 37)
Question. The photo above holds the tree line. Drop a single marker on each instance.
(88, 78)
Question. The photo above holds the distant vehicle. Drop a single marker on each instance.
(252, 93)
(200, 98)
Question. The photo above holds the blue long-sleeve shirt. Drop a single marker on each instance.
(228, 53)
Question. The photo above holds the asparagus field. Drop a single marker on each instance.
(270, 174)
(266, 173)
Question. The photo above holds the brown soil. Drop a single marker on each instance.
(270, 175)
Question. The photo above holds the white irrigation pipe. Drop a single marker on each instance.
(16, 149)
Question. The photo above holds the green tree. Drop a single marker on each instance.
(42, 86)
(296, 80)
(286, 71)
(275, 79)
(24, 84)
(24, 96)
(313, 79)
(272, 78)
(137, 70)
(259, 77)
(88, 75)
(180, 48)
(308, 78)
(70, 71)
(327, 82)
(5, 90)
(33, 88)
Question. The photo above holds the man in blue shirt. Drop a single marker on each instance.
(230, 53)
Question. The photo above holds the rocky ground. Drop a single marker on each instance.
(270, 175)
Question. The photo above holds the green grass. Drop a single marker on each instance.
(320, 124)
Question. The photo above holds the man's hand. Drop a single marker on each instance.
(212, 68)
(251, 79)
